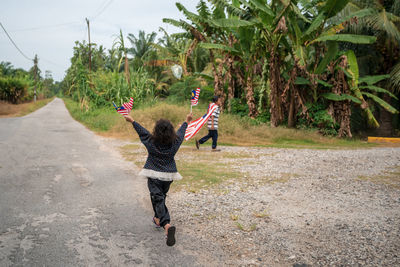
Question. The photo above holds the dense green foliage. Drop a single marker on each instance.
(326, 64)
(17, 85)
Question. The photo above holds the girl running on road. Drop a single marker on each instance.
(160, 168)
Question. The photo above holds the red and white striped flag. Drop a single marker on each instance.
(125, 108)
(196, 125)
(195, 97)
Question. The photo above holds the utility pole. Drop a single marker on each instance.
(90, 52)
(35, 70)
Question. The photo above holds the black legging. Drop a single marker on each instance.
(211, 134)
(158, 193)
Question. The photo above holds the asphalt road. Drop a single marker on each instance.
(65, 200)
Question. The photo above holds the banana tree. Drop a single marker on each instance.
(269, 19)
(202, 30)
(363, 87)
(383, 56)
(309, 37)
(119, 43)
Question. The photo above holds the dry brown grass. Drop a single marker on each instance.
(18, 110)
(232, 130)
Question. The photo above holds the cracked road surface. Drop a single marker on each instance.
(65, 200)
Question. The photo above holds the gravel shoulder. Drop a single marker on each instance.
(300, 206)
(295, 207)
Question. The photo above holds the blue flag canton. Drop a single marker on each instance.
(193, 94)
(118, 108)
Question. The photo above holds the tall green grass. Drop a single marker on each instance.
(99, 119)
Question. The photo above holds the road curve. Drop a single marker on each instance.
(67, 201)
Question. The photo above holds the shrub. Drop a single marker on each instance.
(12, 89)
(319, 118)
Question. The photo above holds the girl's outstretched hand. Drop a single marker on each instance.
(189, 118)
(129, 118)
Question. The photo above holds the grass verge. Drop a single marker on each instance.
(233, 130)
(195, 166)
(19, 110)
(99, 120)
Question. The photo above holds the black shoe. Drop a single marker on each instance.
(197, 144)
(171, 236)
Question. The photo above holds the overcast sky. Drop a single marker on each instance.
(49, 28)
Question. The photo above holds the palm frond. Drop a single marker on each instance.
(384, 22)
(394, 79)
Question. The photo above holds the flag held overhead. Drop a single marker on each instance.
(125, 109)
(195, 97)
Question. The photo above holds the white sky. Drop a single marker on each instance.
(49, 28)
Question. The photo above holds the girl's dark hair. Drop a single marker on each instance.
(215, 99)
(163, 132)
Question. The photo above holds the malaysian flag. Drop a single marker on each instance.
(195, 97)
(125, 108)
(196, 125)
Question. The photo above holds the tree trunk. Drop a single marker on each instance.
(385, 120)
(190, 51)
(214, 71)
(219, 90)
(341, 110)
(275, 83)
(231, 82)
(291, 116)
(127, 70)
(251, 102)
(289, 91)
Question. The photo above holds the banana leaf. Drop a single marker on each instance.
(359, 14)
(264, 7)
(231, 23)
(217, 46)
(324, 83)
(332, 7)
(189, 15)
(378, 90)
(370, 80)
(299, 14)
(351, 38)
(301, 81)
(354, 76)
(318, 21)
(381, 102)
(342, 97)
(301, 55)
(177, 23)
(353, 67)
(333, 49)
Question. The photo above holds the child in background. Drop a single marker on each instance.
(160, 168)
(212, 125)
